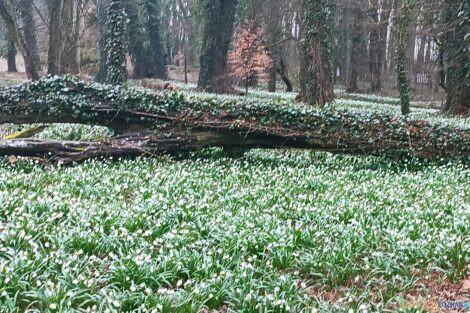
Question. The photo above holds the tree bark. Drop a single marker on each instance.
(317, 52)
(71, 16)
(455, 56)
(55, 37)
(402, 41)
(217, 35)
(11, 53)
(116, 45)
(145, 120)
(137, 49)
(29, 58)
(357, 43)
(158, 66)
(285, 78)
(29, 30)
(374, 42)
(103, 38)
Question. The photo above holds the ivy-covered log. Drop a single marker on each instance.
(224, 121)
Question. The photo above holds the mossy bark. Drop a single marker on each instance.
(102, 72)
(402, 39)
(11, 53)
(158, 66)
(116, 46)
(136, 40)
(317, 52)
(55, 37)
(455, 46)
(230, 123)
(219, 17)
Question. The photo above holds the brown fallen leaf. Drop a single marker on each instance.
(12, 159)
(466, 285)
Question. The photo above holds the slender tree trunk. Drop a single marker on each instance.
(185, 43)
(317, 52)
(71, 26)
(285, 78)
(29, 35)
(158, 67)
(402, 39)
(55, 37)
(137, 51)
(274, 34)
(103, 38)
(11, 53)
(357, 43)
(384, 23)
(74, 65)
(217, 35)
(374, 43)
(455, 57)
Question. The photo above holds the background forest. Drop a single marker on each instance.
(364, 44)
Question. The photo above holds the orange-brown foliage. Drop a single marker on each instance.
(250, 60)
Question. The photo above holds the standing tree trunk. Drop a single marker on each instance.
(115, 47)
(137, 49)
(29, 29)
(55, 37)
(456, 56)
(374, 42)
(317, 52)
(71, 26)
(11, 53)
(217, 35)
(103, 38)
(384, 25)
(285, 78)
(30, 61)
(357, 44)
(402, 39)
(158, 68)
(274, 34)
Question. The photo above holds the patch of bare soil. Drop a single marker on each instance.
(436, 287)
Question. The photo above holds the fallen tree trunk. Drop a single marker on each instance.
(154, 123)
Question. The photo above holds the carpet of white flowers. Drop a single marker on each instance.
(273, 231)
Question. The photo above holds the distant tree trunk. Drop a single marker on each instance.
(374, 47)
(217, 35)
(411, 48)
(103, 38)
(317, 52)
(402, 39)
(275, 36)
(357, 44)
(455, 55)
(158, 67)
(384, 23)
(272, 76)
(285, 78)
(32, 65)
(55, 37)
(137, 49)
(71, 26)
(116, 46)
(11, 53)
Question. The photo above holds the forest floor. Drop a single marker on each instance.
(271, 231)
